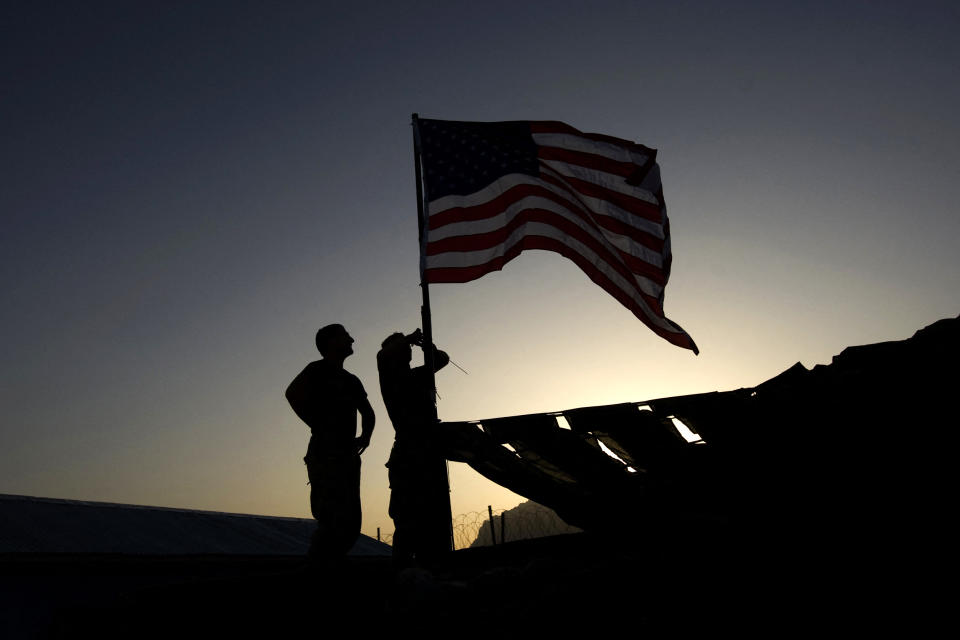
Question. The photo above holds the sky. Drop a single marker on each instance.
(191, 189)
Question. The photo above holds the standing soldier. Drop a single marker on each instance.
(419, 496)
(328, 398)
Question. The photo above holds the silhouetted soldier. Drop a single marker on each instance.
(327, 398)
(419, 497)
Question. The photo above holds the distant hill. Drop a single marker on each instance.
(526, 520)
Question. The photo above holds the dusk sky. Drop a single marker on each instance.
(191, 189)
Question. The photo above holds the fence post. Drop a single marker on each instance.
(493, 530)
(378, 534)
(503, 528)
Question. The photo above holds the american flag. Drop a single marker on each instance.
(495, 189)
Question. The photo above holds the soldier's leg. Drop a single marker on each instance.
(399, 511)
(350, 511)
(320, 508)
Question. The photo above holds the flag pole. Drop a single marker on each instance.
(425, 317)
(424, 287)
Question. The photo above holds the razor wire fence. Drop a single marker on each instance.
(496, 526)
(468, 527)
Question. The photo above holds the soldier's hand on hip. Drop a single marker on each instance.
(362, 444)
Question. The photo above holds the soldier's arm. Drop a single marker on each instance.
(440, 359)
(367, 420)
(298, 399)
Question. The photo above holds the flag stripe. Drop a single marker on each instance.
(617, 226)
(631, 252)
(492, 215)
(583, 159)
(615, 249)
(616, 152)
(599, 207)
(550, 238)
(645, 192)
(454, 208)
(552, 126)
(622, 236)
(527, 217)
(597, 185)
(665, 329)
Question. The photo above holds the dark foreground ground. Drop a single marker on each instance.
(552, 585)
(693, 581)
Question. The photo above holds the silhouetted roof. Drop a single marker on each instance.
(873, 427)
(47, 525)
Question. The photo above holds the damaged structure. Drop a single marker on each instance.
(841, 451)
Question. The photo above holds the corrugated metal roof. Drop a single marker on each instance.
(47, 525)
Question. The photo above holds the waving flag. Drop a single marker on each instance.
(495, 189)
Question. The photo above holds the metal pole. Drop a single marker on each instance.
(493, 529)
(425, 317)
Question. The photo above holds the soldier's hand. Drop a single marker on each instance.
(362, 444)
(416, 338)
